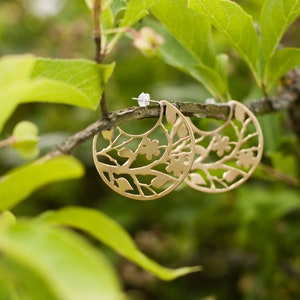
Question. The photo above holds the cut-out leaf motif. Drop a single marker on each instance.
(125, 153)
(231, 175)
(170, 115)
(159, 181)
(182, 131)
(197, 179)
(123, 184)
(240, 113)
(108, 134)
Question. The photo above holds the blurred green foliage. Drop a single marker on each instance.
(247, 240)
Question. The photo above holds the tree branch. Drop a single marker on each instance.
(287, 98)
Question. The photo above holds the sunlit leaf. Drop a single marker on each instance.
(222, 68)
(29, 79)
(135, 11)
(276, 16)
(112, 234)
(19, 282)
(229, 18)
(65, 264)
(281, 63)
(174, 54)
(193, 33)
(19, 183)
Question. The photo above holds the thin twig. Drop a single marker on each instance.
(103, 106)
(8, 142)
(97, 31)
(276, 174)
(99, 55)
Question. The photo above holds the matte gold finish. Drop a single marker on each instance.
(149, 165)
(226, 156)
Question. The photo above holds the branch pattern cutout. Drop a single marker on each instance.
(226, 157)
(150, 165)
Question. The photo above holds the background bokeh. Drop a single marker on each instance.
(247, 240)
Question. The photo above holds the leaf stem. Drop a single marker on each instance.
(7, 142)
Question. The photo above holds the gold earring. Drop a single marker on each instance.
(228, 155)
(149, 165)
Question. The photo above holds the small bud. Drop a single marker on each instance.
(26, 139)
(147, 40)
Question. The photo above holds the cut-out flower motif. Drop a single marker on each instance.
(246, 159)
(149, 148)
(221, 145)
(176, 165)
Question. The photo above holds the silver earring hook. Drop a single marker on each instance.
(144, 99)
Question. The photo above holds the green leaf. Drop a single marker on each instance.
(82, 80)
(230, 19)
(67, 265)
(214, 80)
(254, 206)
(222, 62)
(281, 63)
(285, 163)
(6, 219)
(18, 282)
(113, 235)
(136, 10)
(73, 82)
(107, 18)
(275, 18)
(118, 6)
(174, 54)
(271, 128)
(19, 183)
(192, 32)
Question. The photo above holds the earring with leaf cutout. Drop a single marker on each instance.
(226, 156)
(146, 166)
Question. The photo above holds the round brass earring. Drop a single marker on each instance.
(226, 156)
(150, 165)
